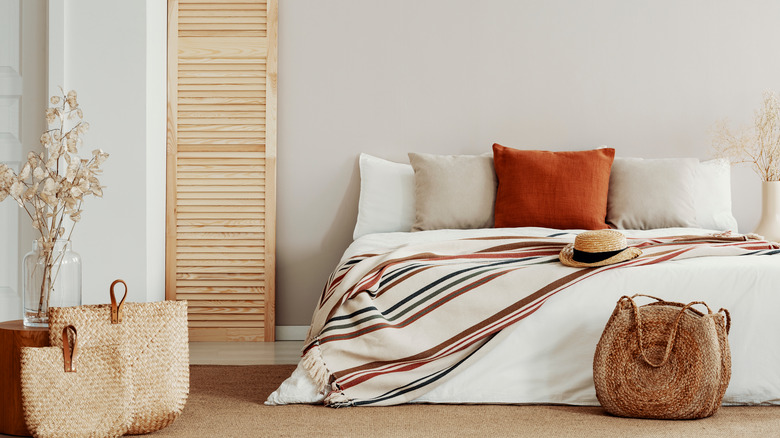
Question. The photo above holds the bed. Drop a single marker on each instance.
(547, 357)
(490, 315)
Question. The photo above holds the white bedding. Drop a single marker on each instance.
(547, 357)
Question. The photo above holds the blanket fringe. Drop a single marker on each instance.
(312, 362)
(337, 399)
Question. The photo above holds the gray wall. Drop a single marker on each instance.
(648, 78)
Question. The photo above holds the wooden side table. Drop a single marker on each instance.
(13, 336)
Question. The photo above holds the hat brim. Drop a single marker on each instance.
(567, 257)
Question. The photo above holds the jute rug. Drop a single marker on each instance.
(227, 401)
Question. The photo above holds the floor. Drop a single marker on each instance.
(242, 353)
(245, 353)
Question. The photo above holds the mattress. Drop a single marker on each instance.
(547, 357)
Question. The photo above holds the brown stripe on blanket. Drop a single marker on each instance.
(473, 329)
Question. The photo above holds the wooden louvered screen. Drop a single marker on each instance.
(222, 166)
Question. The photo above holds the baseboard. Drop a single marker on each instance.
(291, 332)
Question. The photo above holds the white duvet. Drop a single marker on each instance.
(548, 357)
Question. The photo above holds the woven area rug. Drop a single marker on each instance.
(227, 401)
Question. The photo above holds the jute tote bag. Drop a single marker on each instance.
(155, 335)
(75, 391)
(663, 360)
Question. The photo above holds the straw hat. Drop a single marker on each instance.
(598, 248)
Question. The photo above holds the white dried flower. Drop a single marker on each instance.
(7, 176)
(72, 146)
(46, 140)
(31, 192)
(17, 188)
(39, 174)
(70, 174)
(51, 163)
(49, 187)
(72, 99)
(52, 184)
(26, 170)
(758, 145)
(51, 115)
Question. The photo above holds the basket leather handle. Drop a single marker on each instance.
(70, 354)
(116, 310)
(672, 335)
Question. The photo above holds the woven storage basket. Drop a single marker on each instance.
(89, 398)
(662, 360)
(156, 338)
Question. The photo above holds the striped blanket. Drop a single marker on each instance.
(389, 327)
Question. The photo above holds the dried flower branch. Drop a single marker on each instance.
(758, 145)
(52, 185)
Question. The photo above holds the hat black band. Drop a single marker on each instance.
(593, 257)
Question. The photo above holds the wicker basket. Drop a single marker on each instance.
(75, 391)
(156, 340)
(662, 360)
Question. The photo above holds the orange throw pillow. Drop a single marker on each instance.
(552, 189)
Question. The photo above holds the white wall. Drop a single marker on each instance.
(439, 76)
(115, 60)
(454, 76)
(10, 151)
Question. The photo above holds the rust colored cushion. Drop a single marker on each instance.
(552, 189)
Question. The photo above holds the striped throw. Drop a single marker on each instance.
(389, 327)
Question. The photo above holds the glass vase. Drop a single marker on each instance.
(51, 278)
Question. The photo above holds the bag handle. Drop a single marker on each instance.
(116, 310)
(672, 335)
(728, 319)
(70, 355)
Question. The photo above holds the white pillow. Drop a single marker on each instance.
(652, 193)
(386, 197)
(713, 196)
(453, 191)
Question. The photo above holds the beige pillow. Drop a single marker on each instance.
(652, 193)
(453, 191)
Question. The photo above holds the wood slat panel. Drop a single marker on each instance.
(227, 303)
(216, 269)
(186, 265)
(229, 215)
(220, 13)
(194, 20)
(199, 174)
(195, 208)
(228, 323)
(220, 237)
(227, 334)
(230, 250)
(194, 298)
(257, 67)
(233, 276)
(216, 239)
(222, 119)
(206, 256)
(225, 317)
(222, 130)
